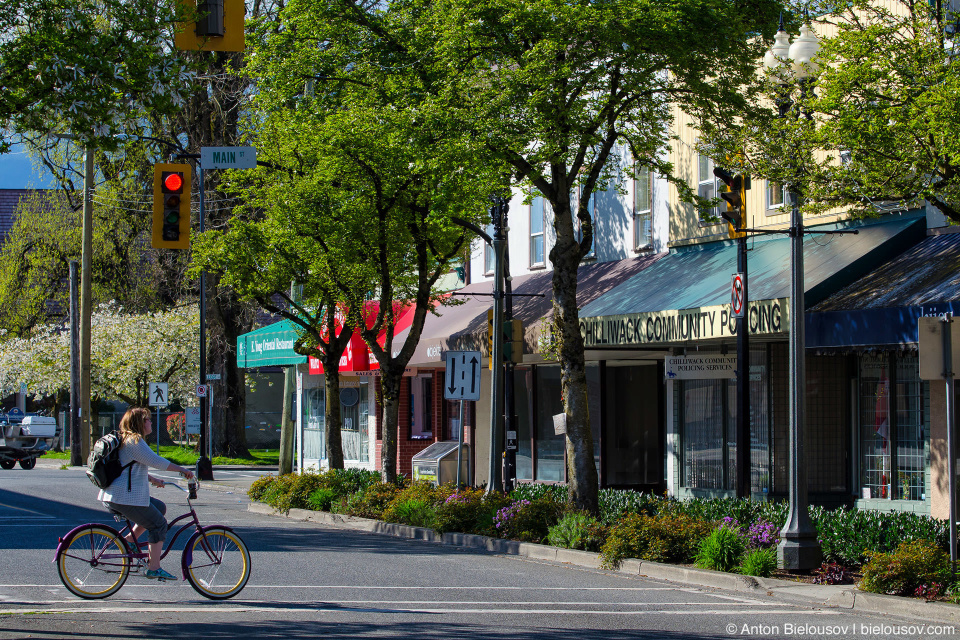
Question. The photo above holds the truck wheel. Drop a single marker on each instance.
(28, 463)
(8, 464)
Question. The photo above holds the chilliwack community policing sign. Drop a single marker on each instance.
(683, 325)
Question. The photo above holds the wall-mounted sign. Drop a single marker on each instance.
(705, 367)
(685, 325)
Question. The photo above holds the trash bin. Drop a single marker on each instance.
(438, 464)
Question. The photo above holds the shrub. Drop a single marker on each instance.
(847, 536)
(321, 499)
(276, 492)
(912, 565)
(759, 562)
(577, 531)
(721, 550)
(763, 535)
(532, 491)
(343, 482)
(461, 511)
(421, 492)
(527, 521)
(298, 490)
(667, 537)
(832, 573)
(416, 512)
(260, 486)
(615, 503)
(371, 502)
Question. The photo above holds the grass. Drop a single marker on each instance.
(188, 457)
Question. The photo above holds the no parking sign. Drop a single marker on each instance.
(737, 295)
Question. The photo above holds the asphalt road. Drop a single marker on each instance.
(312, 581)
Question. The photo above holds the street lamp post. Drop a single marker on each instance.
(799, 549)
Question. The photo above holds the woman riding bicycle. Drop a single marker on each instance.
(129, 494)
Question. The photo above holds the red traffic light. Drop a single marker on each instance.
(173, 182)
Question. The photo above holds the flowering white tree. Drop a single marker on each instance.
(128, 351)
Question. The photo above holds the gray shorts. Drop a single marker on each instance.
(149, 517)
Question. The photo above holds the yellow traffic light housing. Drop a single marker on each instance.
(171, 206)
(211, 25)
(512, 349)
(736, 198)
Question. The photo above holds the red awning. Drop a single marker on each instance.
(356, 357)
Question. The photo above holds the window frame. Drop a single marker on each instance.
(489, 262)
(642, 216)
(774, 209)
(713, 183)
(541, 235)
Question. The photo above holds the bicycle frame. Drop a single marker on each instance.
(139, 551)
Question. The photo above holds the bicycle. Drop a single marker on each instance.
(94, 560)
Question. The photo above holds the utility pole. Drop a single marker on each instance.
(86, 305)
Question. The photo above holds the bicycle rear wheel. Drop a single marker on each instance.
(216, 563)
(94, 563)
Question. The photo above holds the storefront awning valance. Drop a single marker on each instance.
(463, 327)
(269, 346)
(690, 288)
(882, 308)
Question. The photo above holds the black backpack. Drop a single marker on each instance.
(103, 465)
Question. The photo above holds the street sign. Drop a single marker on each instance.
(193, 420)
(462, 381)
(158, 394)
(213, 376)
(201, 391)
(228, 157)
(736, 295)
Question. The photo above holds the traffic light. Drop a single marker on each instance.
(171, 206)
(213, 25)
(735, 197)
(512, 348)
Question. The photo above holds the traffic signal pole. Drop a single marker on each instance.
(204, 462)
(743, 376)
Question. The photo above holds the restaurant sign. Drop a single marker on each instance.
(685, 325)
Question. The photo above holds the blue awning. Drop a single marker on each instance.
(882, 308)
(686, 295)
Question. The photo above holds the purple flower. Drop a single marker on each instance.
(763, 534)
(505, 515)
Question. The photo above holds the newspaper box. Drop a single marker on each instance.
(438, 463)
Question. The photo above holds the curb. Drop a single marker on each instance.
(834, 596)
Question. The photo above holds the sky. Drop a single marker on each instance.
(17, 171)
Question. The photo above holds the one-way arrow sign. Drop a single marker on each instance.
(463, 376)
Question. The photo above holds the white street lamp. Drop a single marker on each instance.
(799, 549)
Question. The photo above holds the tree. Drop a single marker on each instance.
(128, 351)
(374, 166)
(555, 89)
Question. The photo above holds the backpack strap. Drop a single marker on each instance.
(129, 470)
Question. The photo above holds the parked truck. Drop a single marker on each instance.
(24, 438)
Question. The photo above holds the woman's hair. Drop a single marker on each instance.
(132, 424)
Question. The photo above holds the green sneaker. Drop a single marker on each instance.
(159, 574)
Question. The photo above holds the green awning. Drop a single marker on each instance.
(686, 295)
(269, 346)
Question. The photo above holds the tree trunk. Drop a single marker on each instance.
(582, 481)
(390, 421)
(332, 420)
(227, 319)
(286, 423)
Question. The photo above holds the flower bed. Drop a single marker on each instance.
(897, 553)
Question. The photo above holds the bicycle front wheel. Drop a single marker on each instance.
(216, 563)
(94, 563)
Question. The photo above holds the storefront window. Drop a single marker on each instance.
(354, 415)
(708, 433)
(314, 410)
(892, 429)
(421, 407)
(522, 386)
(550, 446)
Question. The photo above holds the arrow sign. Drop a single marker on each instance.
(462, 375)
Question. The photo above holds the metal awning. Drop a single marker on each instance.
(686, 295)
(269, 346)
(882, 308)
(463, 326)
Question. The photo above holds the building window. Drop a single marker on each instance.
(591, 211)
(708, 188)
(421, 407)
(776, 196)
(642, 208)
(354, 418)
(708, 434)
(537, 221)
(892, 427)
(488, 257)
